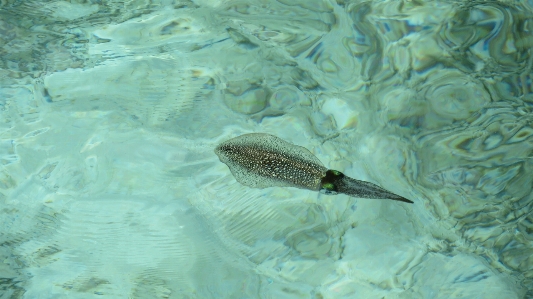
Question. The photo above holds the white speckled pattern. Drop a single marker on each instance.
(261, 160)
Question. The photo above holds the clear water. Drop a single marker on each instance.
(110, 110)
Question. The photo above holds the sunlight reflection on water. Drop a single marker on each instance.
(110, 111)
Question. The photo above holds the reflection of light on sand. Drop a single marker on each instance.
(109, 115)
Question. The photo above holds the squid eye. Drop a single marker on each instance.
(335, 172)
(328, 188)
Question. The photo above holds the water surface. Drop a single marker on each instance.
(110, 112)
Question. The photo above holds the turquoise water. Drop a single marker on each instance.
(110, 111)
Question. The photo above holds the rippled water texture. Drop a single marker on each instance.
(110, 111)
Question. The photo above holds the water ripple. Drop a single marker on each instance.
(109, 111)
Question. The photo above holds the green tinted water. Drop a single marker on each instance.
(110, 111)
